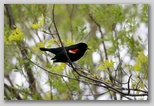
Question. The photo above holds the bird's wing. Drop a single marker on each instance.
(60, 55)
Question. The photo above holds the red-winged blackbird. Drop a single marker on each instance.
(75, 52)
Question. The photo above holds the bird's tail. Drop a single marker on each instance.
(52, 50)
(44, 49)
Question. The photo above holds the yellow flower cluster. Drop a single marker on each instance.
(16, 35)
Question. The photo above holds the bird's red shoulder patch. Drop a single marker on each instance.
(73, 51)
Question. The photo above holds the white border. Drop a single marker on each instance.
(150, 102)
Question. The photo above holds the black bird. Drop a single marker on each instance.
(75, 52)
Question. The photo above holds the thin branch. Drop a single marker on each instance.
(129, 83)
(99, 27)
(53, 16)
(104, 47)
(52, 34)
(69, 61)
(54, 23)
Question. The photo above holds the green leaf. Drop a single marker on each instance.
(39, 24)
(69, 42)
(142, 58)
(105, 65)
(58, 68)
